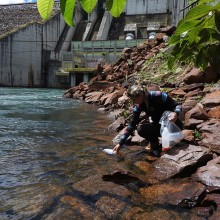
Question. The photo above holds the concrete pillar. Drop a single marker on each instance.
(85, 77)
(72, 79)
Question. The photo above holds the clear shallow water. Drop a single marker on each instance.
(46, 143)
(51, 161)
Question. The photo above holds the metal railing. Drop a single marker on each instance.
(114, 45)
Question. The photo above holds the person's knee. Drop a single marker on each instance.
(140, 130)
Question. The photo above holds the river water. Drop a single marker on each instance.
(51, 160)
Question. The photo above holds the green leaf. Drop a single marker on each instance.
(217, 6)
(201, 59)
(193, 34)
(205, 1)
(186, 26)
(45, 8)
(88, 5)
(67, 9)
(171, 61)
(186, 54)
(174, 39)
(217, 20)
(177, 50)
(209, 22)
(198, 11)
(115, 7)
(180, 22)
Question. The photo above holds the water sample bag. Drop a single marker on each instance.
(109, 151)
(171, 134)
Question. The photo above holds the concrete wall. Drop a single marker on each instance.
(92, 18)
(78, 16)
(154, 7)
(105, 26)
(28, 57)
(177, 14)
(25, 54)
(21, 57)
(147, 7)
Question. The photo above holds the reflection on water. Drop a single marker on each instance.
(51, 161)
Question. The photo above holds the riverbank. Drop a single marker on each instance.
(187, 176)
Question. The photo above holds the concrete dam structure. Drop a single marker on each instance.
(35, 53)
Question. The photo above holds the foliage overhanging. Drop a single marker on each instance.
(197, 36)
(115, 7)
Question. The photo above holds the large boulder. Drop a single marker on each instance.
(214, 112)
(93, 97)
(210, 134)
(209, 174)
(180, 161)
(212, 99)
(195, 75)
(196, 114)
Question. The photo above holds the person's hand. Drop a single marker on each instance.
(117, 148)
(172, 117)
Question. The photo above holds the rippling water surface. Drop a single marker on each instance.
(46, 143)
(51, 161)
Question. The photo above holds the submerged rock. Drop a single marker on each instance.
(182, 194)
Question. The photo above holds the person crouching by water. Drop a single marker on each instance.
(153, 103)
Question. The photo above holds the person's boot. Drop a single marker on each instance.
(156, 149)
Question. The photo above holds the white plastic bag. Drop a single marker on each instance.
(171, 134)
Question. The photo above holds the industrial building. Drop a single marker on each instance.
(51, 54)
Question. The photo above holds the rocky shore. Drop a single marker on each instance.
(187, 176)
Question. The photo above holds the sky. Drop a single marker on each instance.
(6, 2)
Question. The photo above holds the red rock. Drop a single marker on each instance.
(196, 113)
(181, 194)
(68, 95)
(191, 87)
(110, 206)
(179, 161)
(196, 92)
(195, 75)
(209, 174)
(94, 185)
(215, 112)
(178, 92)
(188, 135)
(212, 99)
(93, 97)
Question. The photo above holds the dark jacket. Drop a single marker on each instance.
(159, 102)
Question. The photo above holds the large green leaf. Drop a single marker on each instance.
(205, 35)
(187, 54)
(45, 8)
(174, 39)
(116, 6)
(193, 34)
(217, 20)
(209, 21)
(186, 26)
(88, 5)
(198, 11)
(171, 61)
(217, 6)
(205, 1)
(67, 9)
(201, 59)
(180, 23)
